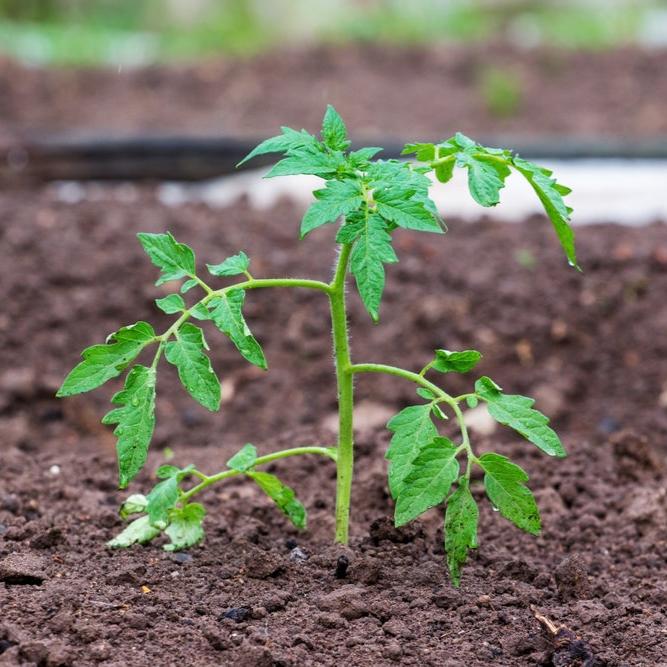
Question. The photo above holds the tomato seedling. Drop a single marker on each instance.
(368, 198)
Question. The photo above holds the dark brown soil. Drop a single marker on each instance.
(419, 92)
(591, 347)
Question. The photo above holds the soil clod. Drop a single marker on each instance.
(342, 565)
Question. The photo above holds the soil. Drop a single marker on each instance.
(590, 347)
(411, 93)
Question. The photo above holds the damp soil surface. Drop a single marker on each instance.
(410, 93)
(590, 347)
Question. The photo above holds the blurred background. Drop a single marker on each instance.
(113, 32)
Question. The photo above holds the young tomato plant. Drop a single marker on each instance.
(369, 198)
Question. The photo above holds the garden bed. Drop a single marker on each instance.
(590, 347)
(410, 93)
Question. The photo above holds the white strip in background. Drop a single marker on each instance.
(629, 192)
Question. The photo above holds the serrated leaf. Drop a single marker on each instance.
(135, 419)
(173, 303)
(139, 531)
(334, 132)
(461, 518)
(227, 314)
(283, 496)
(161, 499)
(431, 475)
(371, 251)
(289, 140)
(550, 193)
(486, 176)
(424, 152)
(175, 260)
(232, 266)
(517, 412)
(337, 199)
(134, 504)
(309, 160)
(104, 362)
(194, 367)
(412, 430)
(359, 159)
(244, 459)
(185, 528)
(455, 362)
(504, 483)
(400, 207)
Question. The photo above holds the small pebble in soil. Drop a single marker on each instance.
(342, 564)
(181, 558)
(298, 554)
(237, 614)
(54, 470)
(3, 529)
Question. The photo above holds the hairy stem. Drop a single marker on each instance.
(344, 377)
(262, 460)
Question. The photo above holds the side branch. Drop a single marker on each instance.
(420, 380)
(207, 481)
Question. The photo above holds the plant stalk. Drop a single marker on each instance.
(344, 377)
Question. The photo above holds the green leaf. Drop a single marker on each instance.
(455, 362)
(283, 496)
(194, 367)
(412, 430)
(472, 401)
(289, 140)
(161, 499)
(504, 483)
(461, 519)
(188, 285)
(371, 251)
(334, 132)
(232, 266)
(169, 471)
(175, 260)
(486, 175)
(104, 362)
(433, 472)
(200, 312)
(360, 159)
(313, 160)
(134, 504)
(244, 459)
(139, 531)
(135, 419)
(173, 303)
(338, 198)
(425, 393)
(445, 170)
(423, 152)
(551, 193)
(516, 412)
(227, 315)
(397, 206)
(185, 527)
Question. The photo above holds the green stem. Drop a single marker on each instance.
(253, 283)
(344, 377)
(262, 460)
(443, 396)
